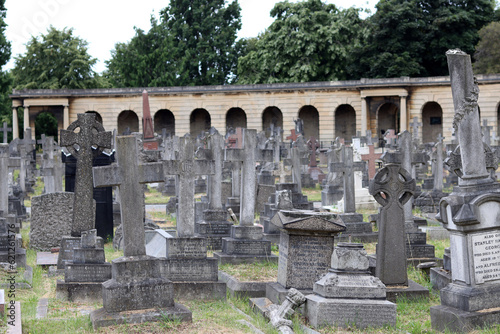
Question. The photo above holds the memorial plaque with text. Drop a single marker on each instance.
(486, 250)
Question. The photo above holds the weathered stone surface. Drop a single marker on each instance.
(347, 312)
(303, 259)
(50, 220)
(350, 286)
(192, 248)
(190, 270)
(350, 257)
(87, 272)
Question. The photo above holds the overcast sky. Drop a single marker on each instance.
(102, 23)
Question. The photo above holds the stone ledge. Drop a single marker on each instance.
(458, 321)
(238, 259)
(76, 292)
(199, 290)
(243, 289)
(101, 318)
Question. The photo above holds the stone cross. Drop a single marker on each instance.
(371, 158)
(415, 124)
(26, 148)
(390, 137)
(249, 156)
(313, 145)
(465, 93)
(293, 136)
(347, 168)
(79, 144)
(392, 187)
(5, 131)
(215, 152)
(282, 172)
(129, 176)
(186, 168)
(235, 140)
(486, 132)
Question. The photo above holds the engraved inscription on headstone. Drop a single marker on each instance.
(486, 250)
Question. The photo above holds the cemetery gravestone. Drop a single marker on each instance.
(348, 295)
(470, 213)
(137, 283)
(306, 247)
(85, 273)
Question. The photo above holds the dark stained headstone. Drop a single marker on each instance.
(392, 187)
(5, 130)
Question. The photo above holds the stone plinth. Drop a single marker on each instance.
(214, 226)
(137, 293)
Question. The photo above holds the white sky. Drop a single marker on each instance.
(102, 23)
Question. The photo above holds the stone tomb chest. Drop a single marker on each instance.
(306, 246)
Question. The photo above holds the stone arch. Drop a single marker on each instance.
(387, 118)
(164, 119)
(236, 118)
(128, 119)
(199, 121)
(271, 115)
(98, 116)
(345, 122)
(432, 122)
(310, 115)
(46, 122)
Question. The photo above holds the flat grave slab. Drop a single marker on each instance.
(46, 259)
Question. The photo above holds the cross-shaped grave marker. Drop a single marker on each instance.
(438, 164)
(392, 187)
(26, 148)
(186, 168)
(5, 130)
(129, 176)
(347, 168)
(369, 139)
(390, 137)
(215, 153)
(79, 144)
(293, 136)
(249, 155)
(313, 145)
(371, 158)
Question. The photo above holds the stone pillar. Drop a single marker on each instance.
(403, 126)
(364, 115)
(66, 117)
(15, 123)
(26, 117)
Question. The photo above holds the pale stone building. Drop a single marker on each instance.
(328, 109)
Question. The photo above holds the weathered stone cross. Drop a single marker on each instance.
(392, 187)
(186, 168)
(390, 137)
(128, 176)
(347, 168)
(79, 144)
(249, 155)
(5, 131)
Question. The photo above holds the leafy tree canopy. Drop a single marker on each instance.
(487, 54)
(57, 60)
(410, 38)
(192, 43)
(308, 41)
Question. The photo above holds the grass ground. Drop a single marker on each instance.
(230, 316)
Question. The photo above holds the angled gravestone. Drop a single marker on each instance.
(137, 284)
(470, 213)
(313, 169)
(246, 243)
(79, 139)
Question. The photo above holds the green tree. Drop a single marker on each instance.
(487, 56)
(308, 41)
(410, 38)
(57, 60)
(192, 43)
(5, 77)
